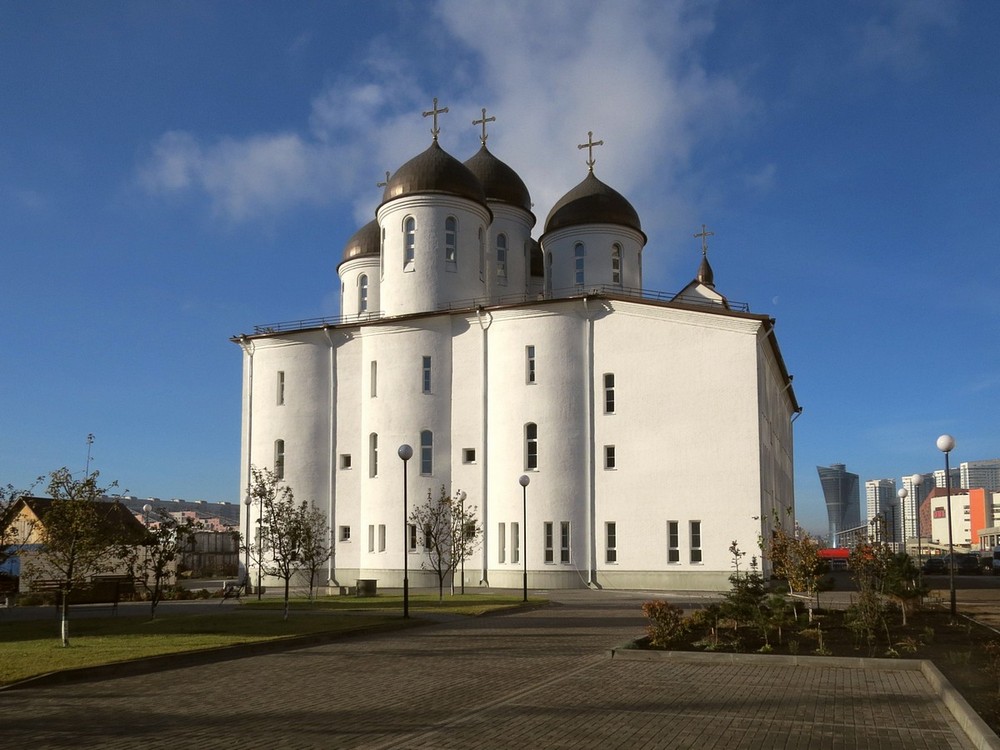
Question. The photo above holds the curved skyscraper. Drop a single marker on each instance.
(842, 492)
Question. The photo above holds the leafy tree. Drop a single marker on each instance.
(903, 583)
(451, 533)
(795, 559)
(165, 539)
(278, 546)
(316, 543)
(870, 563)
(78, 534)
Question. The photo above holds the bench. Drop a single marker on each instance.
(100, 590)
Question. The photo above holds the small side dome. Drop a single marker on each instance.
(366, 241)
(592, 202)
(499, 181)
(434, 171)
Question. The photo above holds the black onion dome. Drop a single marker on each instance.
(365, 241)
(499, 181)
(592, 202)
(434, 171)
(705, 273)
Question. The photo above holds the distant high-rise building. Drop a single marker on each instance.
(915, 494)
(985, 474)
(939, 478)
(842, 492)
(880, 495)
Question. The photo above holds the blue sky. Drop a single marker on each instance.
(173, 173)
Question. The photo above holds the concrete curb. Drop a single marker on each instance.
(979, 733)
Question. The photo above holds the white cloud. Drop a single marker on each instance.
(897, 38)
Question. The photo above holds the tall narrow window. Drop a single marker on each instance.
(515, 542)
(611, 542)
(609, 393)
(281, 388)
(531, 446)
(412, 537)
(696, 541)
(381, 256)
(371, 537)
(363, 293)
(673, 542)
(502, 257)
(279, 459)
(428, 536)
(381, 537)
(616, 264)
(529, 363)
(426, 375)
(410, 241)
(609, 456)
(502, 544)
(373, 455)
(548, 542)
(373, 384)
(579, 255)
(426, 452)
(564, 541)
(450, 241)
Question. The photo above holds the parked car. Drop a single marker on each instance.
(967, 564)
(934, 566)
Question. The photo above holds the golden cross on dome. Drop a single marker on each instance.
(704, 234)
(589, 145)
(434, 112)
(483, 137)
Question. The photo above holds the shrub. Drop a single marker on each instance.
(666, 622)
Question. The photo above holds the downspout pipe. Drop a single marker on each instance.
(485, 320)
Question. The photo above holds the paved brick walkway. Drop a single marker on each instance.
(539, 679)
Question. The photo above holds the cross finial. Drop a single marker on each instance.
(704, 234)
(383, 184)
(483, 137)
(589, 145)
(434, 112)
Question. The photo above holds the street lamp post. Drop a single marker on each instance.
(945, 444)
(524, 481)
(917, 480)
(461, 515)
(405, 452)
(246, 546)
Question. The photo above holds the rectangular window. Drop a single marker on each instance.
(381, 537)
(609, 393)
(696, 541)
(345, 533)
(279, 459)
(345, 460)
(548, 542)
(609, 456)
(529, 362)
(502, 544)
(531, 446)
(515, 542)
(450, 242)
(468, 455)
(428, 538)
(426, 452)
(371, 537)
(611, 542)
(579, 255)
(281, 388)
(564, 541)
(412, 534)
(426, 376)
(502, 258)
(373, 382)
(373, 455)
(673, 542)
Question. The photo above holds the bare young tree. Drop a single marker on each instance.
(278, 544)
(151, 562)
(316, 543)
(79, 535)
(451, 532)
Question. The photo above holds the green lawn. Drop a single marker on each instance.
(30, 648)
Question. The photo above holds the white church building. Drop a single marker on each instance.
(654, 429)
